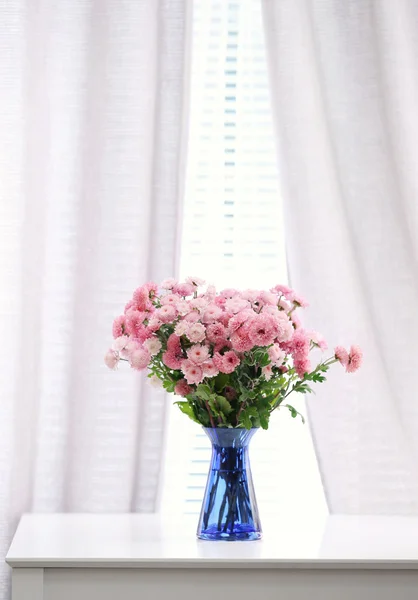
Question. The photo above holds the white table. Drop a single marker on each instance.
(127, 557)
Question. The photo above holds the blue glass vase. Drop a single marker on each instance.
(229, 509)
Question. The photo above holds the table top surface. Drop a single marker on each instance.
(149, 540)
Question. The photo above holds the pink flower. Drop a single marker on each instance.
(341, 354)
(262, 330)
(211, 314)
(300, 344)
(267, 372)
(199, 304)
(216, 332)
(192, 317)
(298, 300)
(284, 327)
(236, 304)
(209, 369)
(172, 299)
(210, 292)
(239, 319)
(240, 340)
(168, 284)
(355, 359)
(141, 299)
(282, 303)
(129, 348)
(302, 366)
(196, 332)
(152, 289)
(198, 354)
(222, 345)
(129, 305)
(120, 343)
(134, 322)
(183, 307)
(174, 344)
(276, 355)
(111, 359)
(119, 326)
(171, 360)
(195, 281)
(193, 373)
(318, 340)
(181, 328)
(287, 292)
(250, 295)
(226, 363)
(219, 301)
(267, 298)
(228, 293)
(166, 313)
(139, 359)
(183, 289)
(296, 321)
(182, 388)
(153, 345)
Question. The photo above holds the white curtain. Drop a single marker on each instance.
(344, 78)
(93, 98)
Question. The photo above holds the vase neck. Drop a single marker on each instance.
(229, 438)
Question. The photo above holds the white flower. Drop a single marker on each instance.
(153, 345)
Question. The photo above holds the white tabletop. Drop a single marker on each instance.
(141, 540)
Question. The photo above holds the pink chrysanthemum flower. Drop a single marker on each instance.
(129, 305)
(222, 345)
(198, 354)
(166, 313)
(209, 369)
(267, 372)
(154, 324)
(174, 344)
(139, 359)
(182, 328)
(355, 359)
(182, 388)
(211, 313)
(283, 290)
(184, 289)
(276, 355)
(199, 304)
(228, 293)
(296, 322)
(168, 284)
(193, 373)
(240, 340)
(262, 330)
(239, 319)
(195, 281)
(302, 366)
(183, 307)
(300, 344)
(196, 332)
(111, 359)
(236, 304)
(250, 295)
(216, 332)
(210, 292)
(172, 299)
(267, 298)
(141, 299)
(153, 345)
(119, 326)
(230, 361)
(171, 360)
(318, 340)
(284, 328)
(299, 300)
(120, 343)
(284, 305)
(152, 289)
(341, 355)
(192, 317)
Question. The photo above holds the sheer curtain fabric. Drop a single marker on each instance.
(344, 82)
(92, 112)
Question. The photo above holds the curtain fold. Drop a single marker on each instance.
(93, 115)
(344, 83)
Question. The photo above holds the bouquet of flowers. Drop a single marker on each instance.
(232, 357)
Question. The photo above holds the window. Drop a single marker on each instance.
(233, 237)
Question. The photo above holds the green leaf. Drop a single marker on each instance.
(220, 381)
(187, 409)
(203, 392)
(294, 412)
(224, 405)
(245, 416)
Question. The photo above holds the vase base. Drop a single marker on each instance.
(242, 535)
